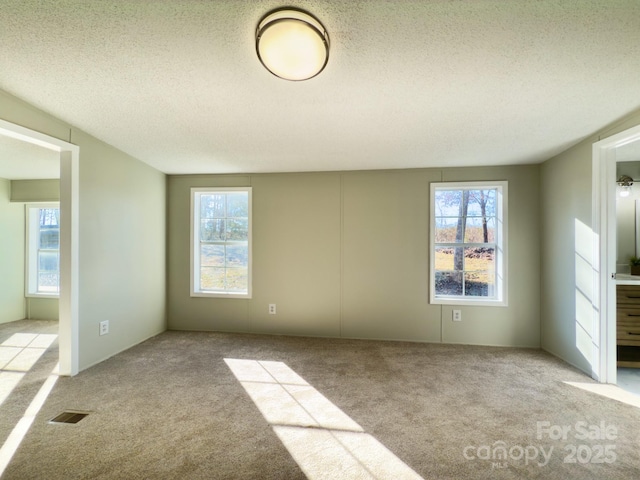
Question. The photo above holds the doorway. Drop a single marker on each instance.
(627, 281)
(604, 226)
(69, 235)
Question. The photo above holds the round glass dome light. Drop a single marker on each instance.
(292, 44)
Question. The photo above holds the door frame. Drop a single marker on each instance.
(605, 245)
(68, 326)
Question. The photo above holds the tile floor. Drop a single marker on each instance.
(629, 379)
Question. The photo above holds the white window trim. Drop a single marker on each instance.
(501, 245)
(194, 241)
(31, 255)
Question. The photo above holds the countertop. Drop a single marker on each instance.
(626, 279)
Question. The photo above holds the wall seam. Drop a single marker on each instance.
(341, 312)
(249, 302)
(428, 236)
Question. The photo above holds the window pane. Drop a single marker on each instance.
(447, 203)
(50, 238)
(445, 257)
(212, 206)
(237, 205)
(475, 233)
(446, 229)
(212, 255)
(479, 259)
(48, 262)
(448, 283)
(238, 229)
(474, 209)
(212, 278)
(49, 217)
(491, 229)
(212, 230)
(479, 199)
(473, 230)
(48, 282)
(237, 255)
(479, 284)
(237, 279)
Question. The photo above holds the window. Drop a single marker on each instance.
(43, 250)
(468, 243)
(221, 242)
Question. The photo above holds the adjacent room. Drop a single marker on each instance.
(320, 239)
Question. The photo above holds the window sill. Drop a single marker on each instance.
(220, 295)
(469, 302)
(43, 295)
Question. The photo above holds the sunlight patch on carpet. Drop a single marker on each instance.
(18, 433)
(324, 441)
(610, 391)
(18, 354)
(19, 340)
(8, 381)
(21, 351)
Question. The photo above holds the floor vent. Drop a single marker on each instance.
(69, 417)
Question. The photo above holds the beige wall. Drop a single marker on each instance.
(566, 210)
(42, 308)
(385, 252)
(122, 249)
(121, 238)
(35, 190)
(567, 251)
(346, 255)
(12, 303)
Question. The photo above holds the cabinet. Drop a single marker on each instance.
(628, 325)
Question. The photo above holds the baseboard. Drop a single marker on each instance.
(120, 351)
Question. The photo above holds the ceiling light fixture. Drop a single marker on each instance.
(292, 44)
(625, 182)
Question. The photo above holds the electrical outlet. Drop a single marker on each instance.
(104, 327)
(272, 309)
(457, 315)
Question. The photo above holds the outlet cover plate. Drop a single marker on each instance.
(104, 327)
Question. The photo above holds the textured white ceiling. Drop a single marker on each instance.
(21, 160)
(178, 85)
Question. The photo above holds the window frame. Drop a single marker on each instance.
(32, 249)
(501, 243)
(195, 290)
